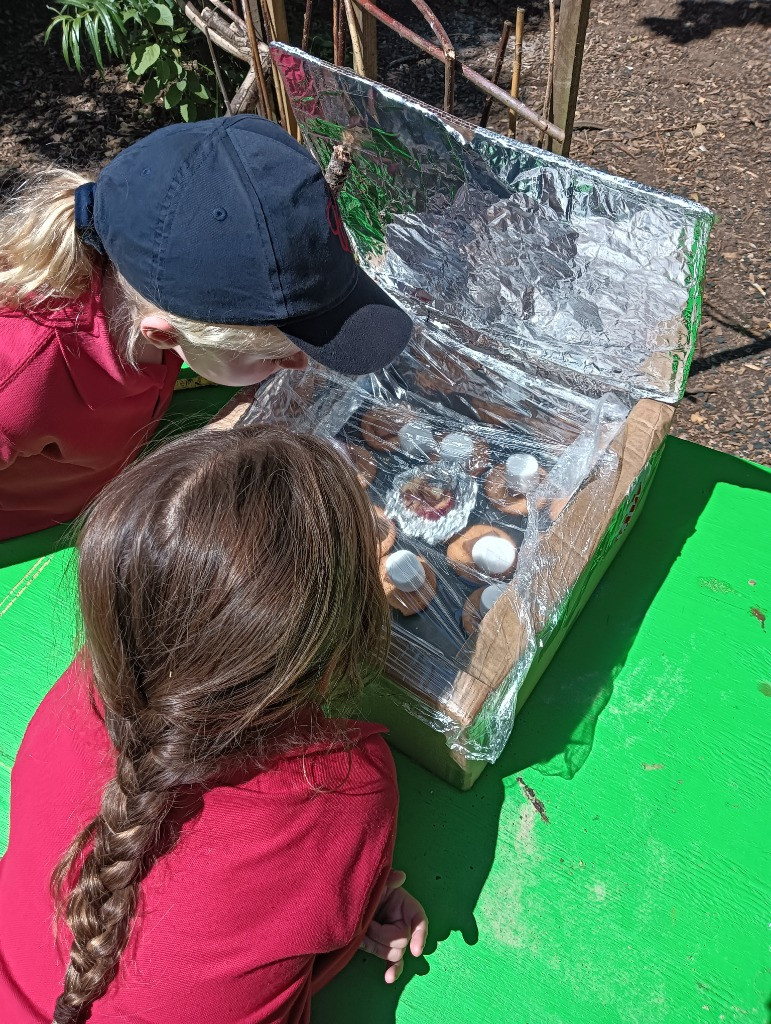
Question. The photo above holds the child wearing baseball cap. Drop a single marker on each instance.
(216, 242)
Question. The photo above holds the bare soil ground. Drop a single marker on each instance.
(675, 93)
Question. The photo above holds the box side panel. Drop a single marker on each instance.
(388, 702)
(551, 638)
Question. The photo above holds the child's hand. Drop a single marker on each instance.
(400, 921)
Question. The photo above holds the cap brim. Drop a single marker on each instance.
(364, 333)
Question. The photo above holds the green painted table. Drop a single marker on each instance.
(640, 893)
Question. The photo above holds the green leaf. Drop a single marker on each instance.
(51, 27)
(92, 31)
(152, 89)
(159, 14)
(112, 26)
(164, 71)
(180, 36)
(66, 43)
(143, 57)
(188, 111)
(173, 96)
(75, 42)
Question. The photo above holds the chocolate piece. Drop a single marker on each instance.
(500, 493)
(428, 500)
(475, 462)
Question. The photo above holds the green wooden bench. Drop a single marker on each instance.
(613, 865)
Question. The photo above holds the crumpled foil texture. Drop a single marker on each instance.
(547, 298)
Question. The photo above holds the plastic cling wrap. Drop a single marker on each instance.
(464, 491)
(550, 301)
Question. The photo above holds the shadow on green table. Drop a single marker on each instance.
(554, 732)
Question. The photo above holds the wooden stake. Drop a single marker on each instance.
(356, 40)
(338, 33)
(569, 55)
(449, 81)
(306, 25)
(363, 30)
(502, 44)
(274, 19)
(448, 51)
(262, 85)
(519, 31)
(547, 100)
(218, 73)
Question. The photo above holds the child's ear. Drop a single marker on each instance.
(158, 331)
(295, 361)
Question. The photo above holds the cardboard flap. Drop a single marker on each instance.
(554, 265)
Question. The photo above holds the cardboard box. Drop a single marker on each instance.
(532, 269)
(583, 541)
(586, 539)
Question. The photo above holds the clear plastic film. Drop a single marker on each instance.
(548, 299)
(463, 492)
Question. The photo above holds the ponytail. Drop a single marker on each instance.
(42, 257)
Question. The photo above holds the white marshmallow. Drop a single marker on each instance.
(456, 447)
(415, 438)
(489, 596)
(405, 571)
(521, 472)
(494, 554)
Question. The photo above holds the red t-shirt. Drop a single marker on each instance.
(72, 413)
(265, 896)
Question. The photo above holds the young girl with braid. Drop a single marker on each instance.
(191, 839)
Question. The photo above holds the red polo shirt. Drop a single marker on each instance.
(265, 896)
(72, 414)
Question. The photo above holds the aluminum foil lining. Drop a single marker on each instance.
(535, 259)
(461, 488)
(547, 298)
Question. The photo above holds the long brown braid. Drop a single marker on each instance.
(225, 582)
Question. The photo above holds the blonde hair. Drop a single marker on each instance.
(44, 261)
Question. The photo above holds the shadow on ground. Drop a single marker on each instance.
(447, 839)
(697, 19)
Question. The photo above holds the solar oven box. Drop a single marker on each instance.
(509, 450)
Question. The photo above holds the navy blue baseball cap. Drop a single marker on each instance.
(230, 221)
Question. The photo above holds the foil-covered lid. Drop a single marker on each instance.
(585, 279)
